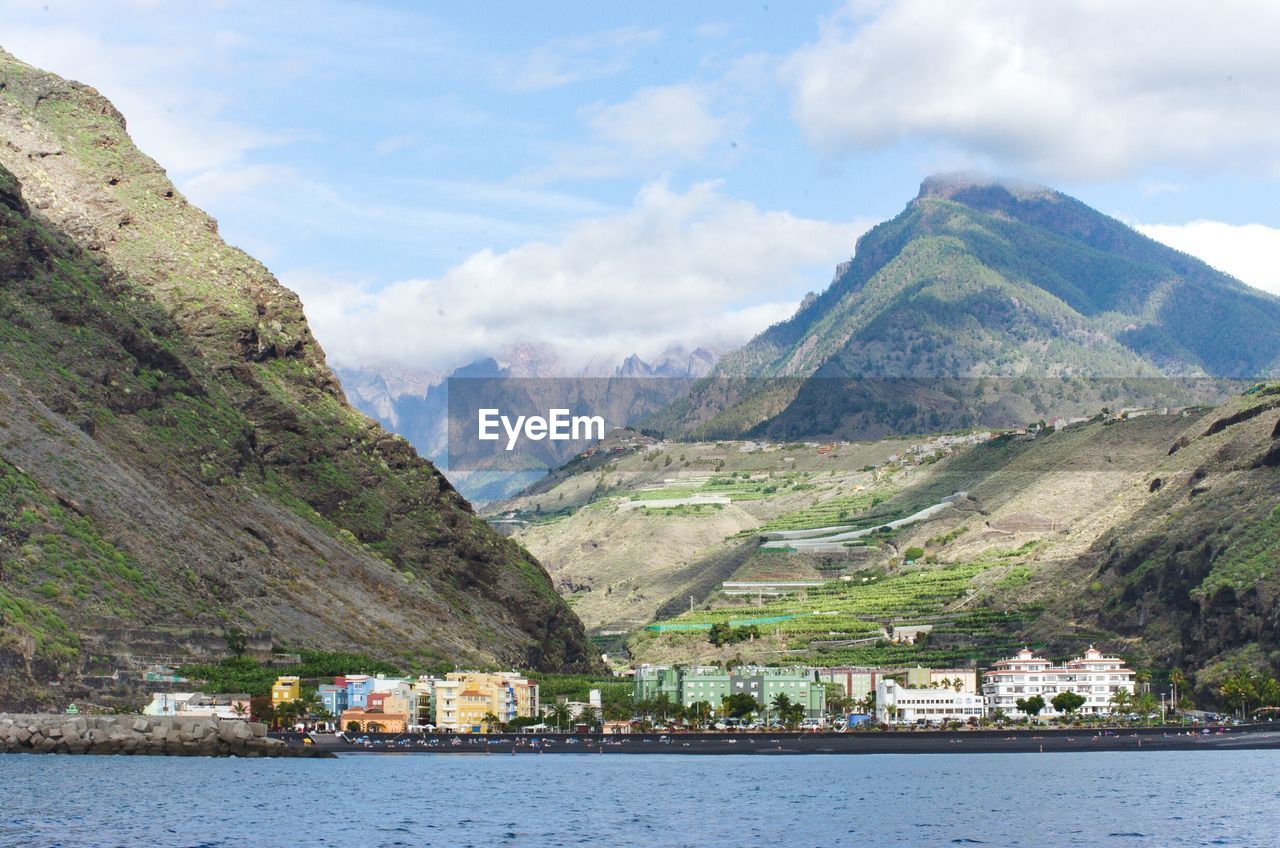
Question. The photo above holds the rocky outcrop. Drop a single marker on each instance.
(142, 735)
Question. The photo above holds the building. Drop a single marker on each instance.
(359, 686)
(688, 686)
(333, 697)
(464, 698)
(373, 720)
(956, 679)
(198, 705)
(285, 689)
(899, 704)
(1095, 677)
(859, 683)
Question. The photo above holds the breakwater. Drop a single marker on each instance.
(140, 735)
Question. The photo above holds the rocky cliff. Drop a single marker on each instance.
(176, 457)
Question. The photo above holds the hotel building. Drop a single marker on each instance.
(1094, 677)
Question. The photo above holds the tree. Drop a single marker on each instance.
(1067, 702)
(588, 717)
(561, 715)
(491, 721)
(1269, 693)
(790, 713)
(700, 712)
(662, 706)
(1145, 705)
(1244, 688)
(260, 707)
(1032, 706)
(1178, 680)
(236, 641)
(720, 633)
(793, 715)
(838, 703)
(913, 553)
(353, 727)
(1121, 702)
(738, 705)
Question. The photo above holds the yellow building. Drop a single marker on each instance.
(285, 689)
(463, 699)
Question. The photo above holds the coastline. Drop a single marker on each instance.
(773, 744)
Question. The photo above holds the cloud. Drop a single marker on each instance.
(1248, 252)
(1066, 89)
(562, 61)
(694, 267)
(660, 122)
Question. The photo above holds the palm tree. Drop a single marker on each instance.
(780, 705)
(700, 712)
(491, 721)
(1120, 702)
(561, 715)
(1178, 680)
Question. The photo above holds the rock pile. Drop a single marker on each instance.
(136, 734)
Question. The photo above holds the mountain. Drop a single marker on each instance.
(987, 302)
(177, 460)
(415, 403)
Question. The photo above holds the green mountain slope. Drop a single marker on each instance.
(176, 458)
(1157, 536)
(1047, 302)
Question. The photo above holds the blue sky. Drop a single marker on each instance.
(440, 181)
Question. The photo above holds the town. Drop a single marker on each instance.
(1025, 688)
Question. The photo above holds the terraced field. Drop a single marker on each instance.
(863, 610)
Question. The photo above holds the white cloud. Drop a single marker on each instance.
(695, 267)
(660, 122)
(1062, 88)
(1249, 252)
(567, 60)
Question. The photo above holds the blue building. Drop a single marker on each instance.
(334, 698)
(359, 688)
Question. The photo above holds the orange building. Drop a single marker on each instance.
(374, 720)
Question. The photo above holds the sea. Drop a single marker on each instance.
(1078, 799)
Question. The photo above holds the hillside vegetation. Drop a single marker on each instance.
(1155, 535)
(176, 458)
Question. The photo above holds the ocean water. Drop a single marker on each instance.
(1085, 799)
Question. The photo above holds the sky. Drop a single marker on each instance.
(442, 181)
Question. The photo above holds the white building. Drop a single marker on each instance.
(858, 682)
(1094, 677)
(896, 704)
(197, 705)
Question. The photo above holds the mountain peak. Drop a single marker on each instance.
(981, 190)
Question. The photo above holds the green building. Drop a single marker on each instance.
(687, 686)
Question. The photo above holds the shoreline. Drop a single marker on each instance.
(783, 744)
